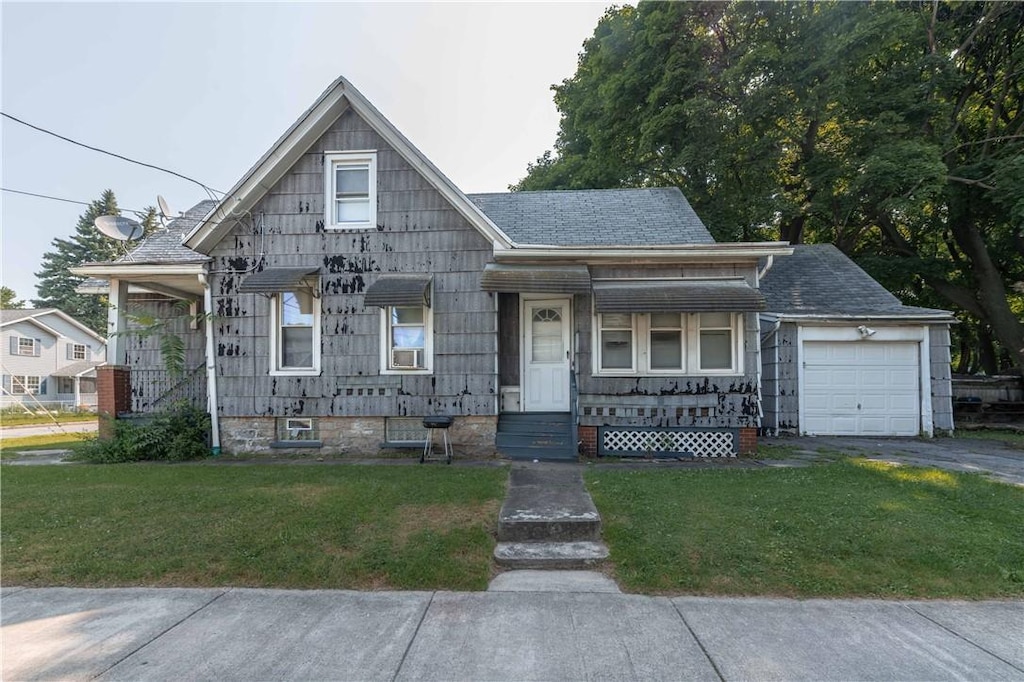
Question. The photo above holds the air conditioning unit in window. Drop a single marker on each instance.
(406, 358)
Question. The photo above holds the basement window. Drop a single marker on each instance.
(297, 432)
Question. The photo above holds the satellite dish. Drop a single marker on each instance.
(165, 210)
(118, 227)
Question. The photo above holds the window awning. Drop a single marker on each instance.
(273, 280)
(555, 279)
(685, 296)
(398, 290)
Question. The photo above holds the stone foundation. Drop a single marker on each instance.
(349, 436)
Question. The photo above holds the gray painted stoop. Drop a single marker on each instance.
(548, 520)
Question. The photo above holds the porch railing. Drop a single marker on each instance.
(156, 389)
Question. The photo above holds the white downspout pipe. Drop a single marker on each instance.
(211, 368)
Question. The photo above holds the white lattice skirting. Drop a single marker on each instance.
(640, 442)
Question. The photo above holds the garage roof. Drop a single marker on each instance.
(819, 279)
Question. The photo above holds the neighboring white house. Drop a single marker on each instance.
(48, 358)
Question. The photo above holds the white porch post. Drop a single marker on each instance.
(117, 322)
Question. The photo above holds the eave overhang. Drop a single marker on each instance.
(297, 140)
(846, 318)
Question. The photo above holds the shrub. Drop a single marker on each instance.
(175, 435)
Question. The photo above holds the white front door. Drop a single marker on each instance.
(546, 355)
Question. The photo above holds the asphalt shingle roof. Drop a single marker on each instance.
(601, 217)
(7, 316)
(164, 245)
(819, 279)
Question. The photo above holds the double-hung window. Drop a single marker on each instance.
(662, 344)
(408, 332)
(351, 189)
(26, 346)
(295, 319)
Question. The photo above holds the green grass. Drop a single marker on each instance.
(10, 447)
(327, 526)
(25, 419)
(775, 451)
(848, 528)
(1012, 438)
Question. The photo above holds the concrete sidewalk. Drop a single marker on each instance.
(256, 634)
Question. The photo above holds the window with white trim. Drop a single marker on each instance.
(407, 332)
(662, 344)
(295, 332)
(617, 343)
(25, 385)
(351, 189)
(26, 346)
(78, 351)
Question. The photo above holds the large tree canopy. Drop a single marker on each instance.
(894, 130)
(57, 285)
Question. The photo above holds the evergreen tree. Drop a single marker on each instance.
(57, 284)
(9, 299)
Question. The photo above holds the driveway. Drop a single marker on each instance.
(971, 455)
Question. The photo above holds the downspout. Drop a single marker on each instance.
(211, 368)
(775, 353)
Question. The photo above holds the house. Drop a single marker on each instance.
(49, 359)
(842, 356)
(351, 290)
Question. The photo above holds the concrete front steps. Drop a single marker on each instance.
(548, 520)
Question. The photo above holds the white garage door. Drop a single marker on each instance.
(864, 388)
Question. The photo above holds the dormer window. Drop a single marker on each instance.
(351, 184)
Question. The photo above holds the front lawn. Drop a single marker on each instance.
(298, 526)
(847, 528)
(20, 418)
(10, 447)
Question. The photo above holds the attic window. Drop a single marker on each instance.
(351, 189)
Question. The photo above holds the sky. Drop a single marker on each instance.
(204, 89)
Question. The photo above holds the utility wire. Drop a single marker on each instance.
(67, 201)
(209, 190)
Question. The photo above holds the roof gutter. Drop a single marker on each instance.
(137, 269)
(648, 254)
(887, 317)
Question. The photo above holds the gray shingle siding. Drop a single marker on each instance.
(600, 217)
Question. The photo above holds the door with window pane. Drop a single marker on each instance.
(546, 355)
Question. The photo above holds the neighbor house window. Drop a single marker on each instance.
(78, 351)
(351, 184)
(26, 346)
(295, 321)
(659, 344)
(25, 385)
(407, 331)
(65, 385)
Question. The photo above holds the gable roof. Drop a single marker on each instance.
(311, 125)
(605, 217)
(819, 280)
(32, 315)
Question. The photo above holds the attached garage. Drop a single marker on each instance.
(841, 356)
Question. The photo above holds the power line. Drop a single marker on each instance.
(210, 190)
(67, 201)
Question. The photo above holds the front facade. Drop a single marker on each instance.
(49, 359)
(351, 290)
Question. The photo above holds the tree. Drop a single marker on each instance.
(57, 285)
(8, 299)
(894, 130)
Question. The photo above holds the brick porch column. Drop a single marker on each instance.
(113, 395)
